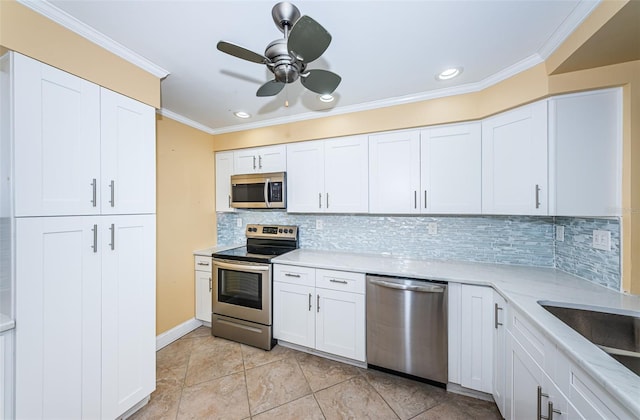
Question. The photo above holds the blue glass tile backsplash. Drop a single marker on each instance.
(522, 240)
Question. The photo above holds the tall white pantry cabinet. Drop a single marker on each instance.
(84, 194)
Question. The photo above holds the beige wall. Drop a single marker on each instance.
(33, 35)
(185, 216)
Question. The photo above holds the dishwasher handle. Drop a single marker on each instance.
(427, 288)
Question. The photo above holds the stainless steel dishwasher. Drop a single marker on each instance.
(407, 327)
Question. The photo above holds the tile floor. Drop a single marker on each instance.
(203, 377)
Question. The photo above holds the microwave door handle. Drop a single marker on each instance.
(266, 191)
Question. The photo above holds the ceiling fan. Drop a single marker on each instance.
(304, 41)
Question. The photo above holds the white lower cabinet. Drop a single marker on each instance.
(320, 309)
(85, 343)
(499, 351)
(203, 288)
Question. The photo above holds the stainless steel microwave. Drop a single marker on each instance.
(259, 191)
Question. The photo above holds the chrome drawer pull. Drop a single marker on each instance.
(292, 275)
(338, 281)
(203, 263)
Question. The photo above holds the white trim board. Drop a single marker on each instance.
(176, 332)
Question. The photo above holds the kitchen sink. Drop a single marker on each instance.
(617, 332)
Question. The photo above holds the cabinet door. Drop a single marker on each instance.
(340, 324)
(128, 153)
(305, 177)
(476, 324)
(245, 161)
(56, 140)
(203, 296)
(272, 159)
(394, 172)
(499, 351)
(514, 161)
(585, 153)
(128, 311)
(523, 378)
(58, 343)
(294, 313)
(450, 169)
(346, 175)
(224, 170)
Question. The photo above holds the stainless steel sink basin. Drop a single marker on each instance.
(617, 332)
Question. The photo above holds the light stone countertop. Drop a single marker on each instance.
(522, 287)
(206, 252)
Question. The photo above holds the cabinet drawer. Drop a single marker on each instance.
(340, 280)
(535, 343)
(203, 263)
(294, 274)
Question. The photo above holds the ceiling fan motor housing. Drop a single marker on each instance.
(284, 67)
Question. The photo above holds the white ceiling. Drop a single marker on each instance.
(387, 52)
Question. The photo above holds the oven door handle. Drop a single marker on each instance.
(239, 267)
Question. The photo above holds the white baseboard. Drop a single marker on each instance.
(176, 332)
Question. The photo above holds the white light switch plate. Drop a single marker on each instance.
(432, 228)
(602, 240)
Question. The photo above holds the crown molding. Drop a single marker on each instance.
(570, 24)
(61, 17)
(184, 120)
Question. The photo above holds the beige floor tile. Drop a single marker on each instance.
(322, 373)
(353, 399)
(164, 400)
(222, 398)
(254, 357)
(406, 397)
(175, 356)
(199, 332)
(304, 408)
(212, 358)
(459, 407)
(274, 384)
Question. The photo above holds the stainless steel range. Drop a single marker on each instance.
(242, 285)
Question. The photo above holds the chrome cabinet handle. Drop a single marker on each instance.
(338, 281)
(318, 304)
(415, 199)
(539, 415)
(537, 196)
(260, 162)
(94, 200)
(292, 275)
(496, 308)
(112, 185)
(203, 263)
(113, 236)
(254, 162)
(425, 199)
(229, 197)
(210, 285)
(95, 238)
(309, 302)
(319, 200)
(327, 200)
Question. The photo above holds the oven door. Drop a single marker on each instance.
(242, 290)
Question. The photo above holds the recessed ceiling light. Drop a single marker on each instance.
(449, 73)
(326, 97)
(242, 114)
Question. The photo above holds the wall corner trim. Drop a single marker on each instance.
(176, 332)
(64, 19)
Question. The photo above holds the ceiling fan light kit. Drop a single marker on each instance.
(305, 40)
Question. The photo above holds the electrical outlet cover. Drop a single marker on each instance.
(559, 233)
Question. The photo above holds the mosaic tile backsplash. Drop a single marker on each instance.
(522, 240)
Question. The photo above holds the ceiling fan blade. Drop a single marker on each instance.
(241, 52)
(308, 40)
(320, 81)
(271, 88)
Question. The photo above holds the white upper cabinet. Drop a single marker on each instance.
(394, 172)
(260, 160)
(585, 153)
(514, 161)
(450, 169)
(57, 141)
(79, 149)
(328, 176)
(128, 145)
(224, 170)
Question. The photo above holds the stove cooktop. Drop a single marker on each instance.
(264, 242)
